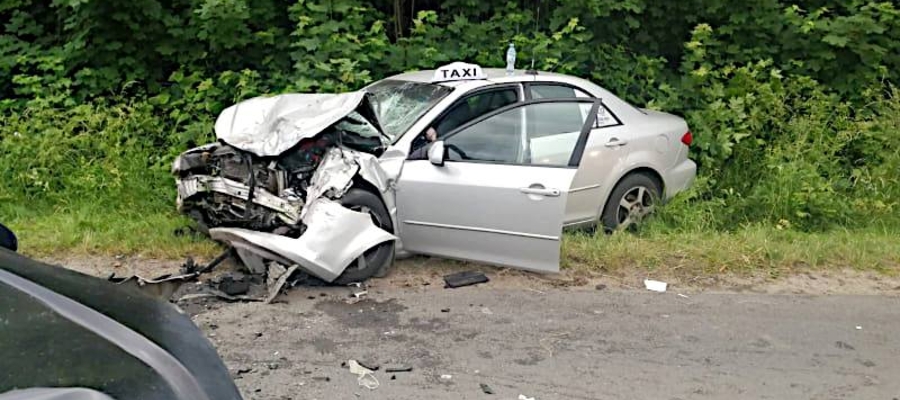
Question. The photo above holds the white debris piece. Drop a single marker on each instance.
(446, 377)
(524, 397)
(365, 376)
(656, 286)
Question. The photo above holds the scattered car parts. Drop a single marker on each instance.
(465, 278)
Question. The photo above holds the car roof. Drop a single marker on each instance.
(498, 75)
(493, 75)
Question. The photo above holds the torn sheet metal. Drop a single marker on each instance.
(162, 287)
(269, 126)
(335, 174)
(288, 209)
(333, 177)
(334, 237)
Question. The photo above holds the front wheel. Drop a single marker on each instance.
(376, 260)
(632, 200)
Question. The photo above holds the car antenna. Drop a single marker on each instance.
(532, 71)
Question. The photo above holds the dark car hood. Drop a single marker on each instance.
(159, 322)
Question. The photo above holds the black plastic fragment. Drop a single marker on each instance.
(465, 278)
(233, 285)
(373, 367)
(403, 368)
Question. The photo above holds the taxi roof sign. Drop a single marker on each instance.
(458, 71)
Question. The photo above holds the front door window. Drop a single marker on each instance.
(544, 133)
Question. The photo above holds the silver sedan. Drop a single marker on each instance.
(458, 162)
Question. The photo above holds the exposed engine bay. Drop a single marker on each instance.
(280, 165)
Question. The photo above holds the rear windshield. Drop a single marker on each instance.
(400, 104)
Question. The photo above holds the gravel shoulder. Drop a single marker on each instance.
(566, 336)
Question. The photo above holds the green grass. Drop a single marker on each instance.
(84, 231)
(748, 251)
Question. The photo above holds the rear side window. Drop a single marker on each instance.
(549, 91)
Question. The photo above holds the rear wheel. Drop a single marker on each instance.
(375, 261)
(632, 200)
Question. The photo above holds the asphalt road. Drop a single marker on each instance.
(561, 344)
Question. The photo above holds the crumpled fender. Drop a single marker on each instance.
(334, 237)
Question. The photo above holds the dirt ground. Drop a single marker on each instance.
(816, 335)
(418, 271)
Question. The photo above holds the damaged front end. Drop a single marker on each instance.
(272, 184)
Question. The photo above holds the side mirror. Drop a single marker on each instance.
(8, 239)
(436, 153)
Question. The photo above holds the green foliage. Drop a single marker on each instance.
(792, 105)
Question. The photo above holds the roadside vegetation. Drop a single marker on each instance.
(793, 108)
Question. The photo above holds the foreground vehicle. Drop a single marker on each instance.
(66, 335)
(458, 162)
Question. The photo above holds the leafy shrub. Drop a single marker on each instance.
(792, 107)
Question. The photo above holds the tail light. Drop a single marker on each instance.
(687, 139)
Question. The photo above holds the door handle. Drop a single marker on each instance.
(540, 191)
(616, 142)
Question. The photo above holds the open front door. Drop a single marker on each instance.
(500, 195)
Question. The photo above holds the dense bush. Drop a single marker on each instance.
(792, 104)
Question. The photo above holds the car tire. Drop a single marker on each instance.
(632, 200)
(379, 258)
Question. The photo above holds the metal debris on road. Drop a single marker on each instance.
(683, 296)
(274, 290)
(397, 368)
(655, 286)
(486, 389)
(465, 278)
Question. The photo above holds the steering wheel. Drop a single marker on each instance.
(457, 150)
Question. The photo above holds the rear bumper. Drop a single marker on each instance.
(680, 178)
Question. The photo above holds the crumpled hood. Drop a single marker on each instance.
(269, 126)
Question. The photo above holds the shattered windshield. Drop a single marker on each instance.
(400, 104)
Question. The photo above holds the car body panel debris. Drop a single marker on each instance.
(465, 278)
(438, 182)
(334, 237)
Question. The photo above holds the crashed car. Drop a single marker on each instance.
(459, 162)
